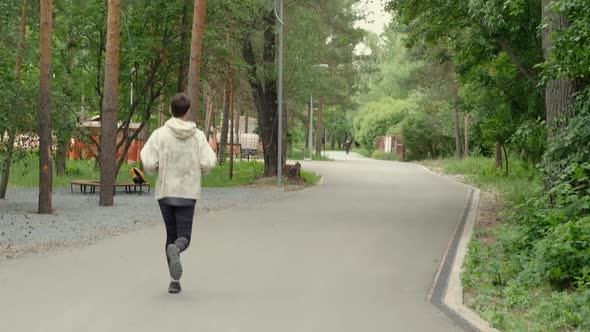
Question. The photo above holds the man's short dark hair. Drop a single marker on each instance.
(179, 105)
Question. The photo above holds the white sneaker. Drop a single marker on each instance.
(174, 264)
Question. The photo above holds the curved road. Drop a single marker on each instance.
(358, 253)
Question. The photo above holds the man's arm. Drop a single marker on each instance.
(149, 154)
(208, 157)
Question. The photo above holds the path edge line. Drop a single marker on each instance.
(446, 293)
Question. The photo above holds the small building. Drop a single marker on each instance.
(87, 149)
(391, 144)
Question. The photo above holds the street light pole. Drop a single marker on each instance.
(310, 143)
(280, 18)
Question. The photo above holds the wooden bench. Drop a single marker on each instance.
(131, 187)
(89, 186)
(85, 185)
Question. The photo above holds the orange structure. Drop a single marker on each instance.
(86, 150)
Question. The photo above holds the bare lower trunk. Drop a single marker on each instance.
(225, 124)
(60, 158)
(506, 156)
(209, 118)
(231, 136)
(45, 165)
(319, 129)
(307, 140)
(466, 133)
(196, 54)
(246, 118)
(6, 166)
(161, 113)
(108, 133)
(265, 93)
(498, 154)
(458, 149)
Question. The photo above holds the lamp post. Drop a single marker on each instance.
(280, 18)
(321, 65)
(310, 138)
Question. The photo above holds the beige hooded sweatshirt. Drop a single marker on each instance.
(178, 152)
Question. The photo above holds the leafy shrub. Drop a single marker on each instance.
(385, 156)
(376, 118)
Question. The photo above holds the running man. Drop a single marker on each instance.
(179, 153)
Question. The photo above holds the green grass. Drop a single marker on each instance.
(297, 154)
(363, 152)
(25, 173)
(497, 281)
(522, 182)
(310, 178)
(384, 156)
(245, 172)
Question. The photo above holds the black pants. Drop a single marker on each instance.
(179, 224)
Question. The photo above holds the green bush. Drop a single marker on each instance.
(535, 275)
(310, 178)
(385, 156)
(376, 118)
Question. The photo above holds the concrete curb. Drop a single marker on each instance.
(447, 291)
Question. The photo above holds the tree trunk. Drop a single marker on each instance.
(45, 141)
(161, 119)
(559, 93)
(231, 135)
(458, 149)
(265, 94)
(307, 141)
(505, 155)
(145, 135)
(11, 136)
(7, 165)
(209, 118)
(246, 120)
(498, 154)
(285, 134)
(21, 40)
(61, 155)
(466, 132)
(237, 125)
(319, 128)
(225, 123)
(184, 62)
(108, 132)
(213, 122)
(196, 53)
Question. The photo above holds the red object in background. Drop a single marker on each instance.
(82, 150)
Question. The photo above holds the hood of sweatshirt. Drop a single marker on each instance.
(181, 129)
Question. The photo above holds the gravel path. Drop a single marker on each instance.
(79, 221)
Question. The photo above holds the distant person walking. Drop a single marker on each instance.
(347, 145)
(179, 153)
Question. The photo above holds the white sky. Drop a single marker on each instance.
(377, 18)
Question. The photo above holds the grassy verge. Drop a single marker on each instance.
(245, 172)
(384, 156)
(521, 183)
(25, 173)
(502, 278)
(377, 154)
(310, 178)
(295, 154)
(363, 152)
